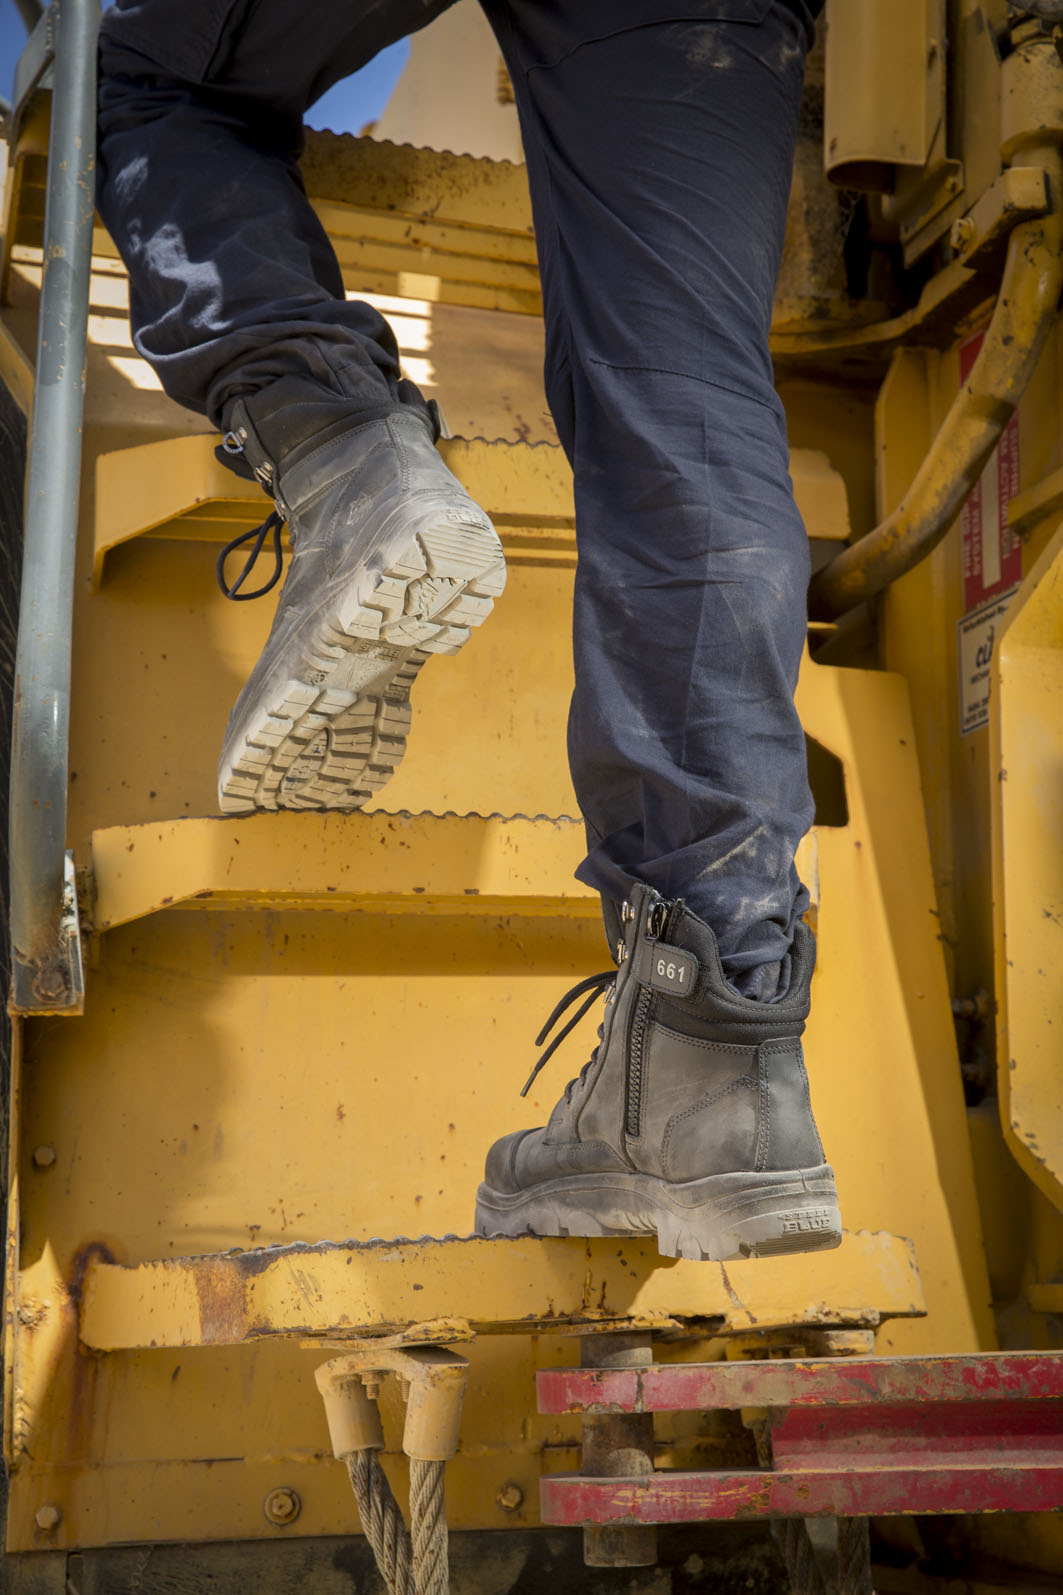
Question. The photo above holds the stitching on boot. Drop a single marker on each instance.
(569, 1151)
(706, 1046)
(400, 449)
(764, 1102)
(323, 448)
(808, 1101)
(743, 1083)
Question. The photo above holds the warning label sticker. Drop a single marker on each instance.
(992, 554)
(992, 561)
(977, 638)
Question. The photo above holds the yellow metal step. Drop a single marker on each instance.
(386, 863)
(178, 489)
(347, 1289)
(455, 229)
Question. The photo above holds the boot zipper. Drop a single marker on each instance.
(656, 927)
(633, 1112)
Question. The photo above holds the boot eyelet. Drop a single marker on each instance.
(627, 913)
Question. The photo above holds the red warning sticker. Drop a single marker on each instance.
(992, 554)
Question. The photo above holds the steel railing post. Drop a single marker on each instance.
(45, 958)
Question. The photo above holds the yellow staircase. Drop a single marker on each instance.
(301, 1032)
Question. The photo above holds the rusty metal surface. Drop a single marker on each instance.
(817, 1382)
(981, 1486)
(848, 1438)
(336, 1289)
(617, 1444)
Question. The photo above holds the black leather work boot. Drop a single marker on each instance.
(392, 561)
(692, 1119)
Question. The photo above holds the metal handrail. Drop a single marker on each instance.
(45, 945)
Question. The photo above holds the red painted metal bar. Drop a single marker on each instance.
(822, 1382)
(849, 1438)
(990, 1431)
(807, 1492)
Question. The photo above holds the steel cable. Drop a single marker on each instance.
(416, 1565)
(792, 1538)
(790, 1533)
(428, 1524)
(854, 1557)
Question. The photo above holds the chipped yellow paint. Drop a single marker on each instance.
(497, 1285)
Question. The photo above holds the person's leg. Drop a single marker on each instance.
(233, 282)
(237, 302)
(660, 157)
(659, 154)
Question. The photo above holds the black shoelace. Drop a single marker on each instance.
(597, 986)
(257, 537)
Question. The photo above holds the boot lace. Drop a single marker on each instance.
(596, 986)
(257, 537)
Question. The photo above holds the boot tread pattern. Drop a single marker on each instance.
(785, 1214)
(315, 744)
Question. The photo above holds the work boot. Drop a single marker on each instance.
(391, 562)
(692, 1119)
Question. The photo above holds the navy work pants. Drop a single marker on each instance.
(659, 141)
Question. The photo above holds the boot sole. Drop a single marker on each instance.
(331, 736)
(718, 1219)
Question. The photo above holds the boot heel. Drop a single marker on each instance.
(797, 1212)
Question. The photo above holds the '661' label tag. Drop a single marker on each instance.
(673, 970)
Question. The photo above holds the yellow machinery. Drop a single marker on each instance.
(220, 1111)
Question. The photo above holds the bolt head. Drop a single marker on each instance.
(510, 1497)
(43, 1157)
(282, 1506)
(51, 984)
(48, 1516)
(961, 233)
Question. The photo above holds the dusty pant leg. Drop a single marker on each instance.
(660, 157)
(233, 282)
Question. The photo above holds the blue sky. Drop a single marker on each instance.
(345, 108)
(348, 106)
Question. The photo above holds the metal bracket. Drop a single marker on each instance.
(851, 1437)
(58, 985)
(435, 1381)
(1018, 195)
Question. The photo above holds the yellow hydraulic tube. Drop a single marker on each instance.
(1024, 315)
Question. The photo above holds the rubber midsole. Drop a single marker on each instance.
(797, 1207)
